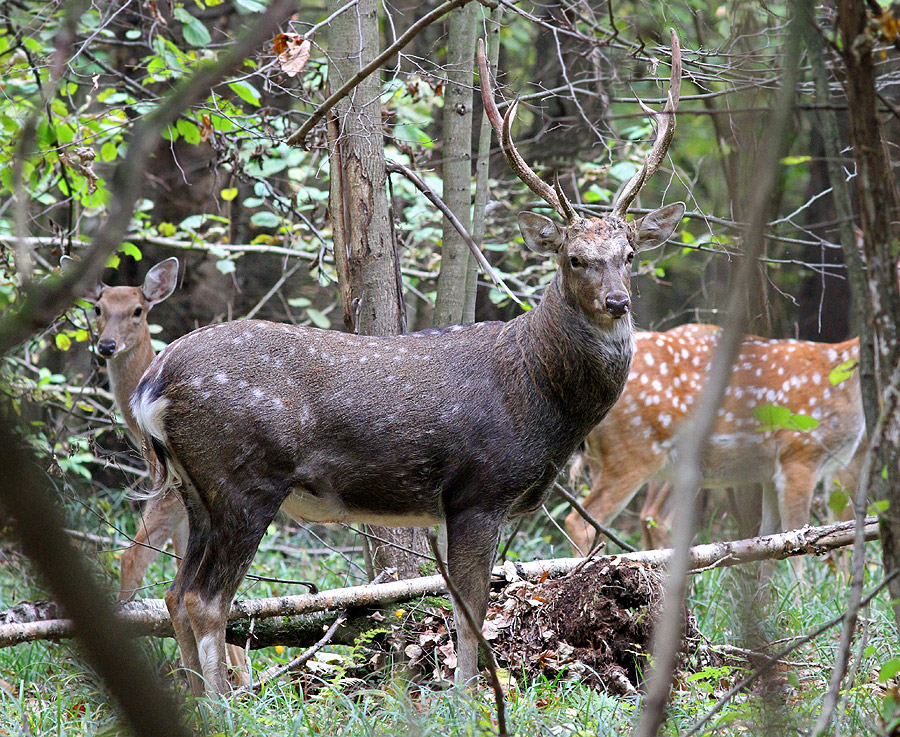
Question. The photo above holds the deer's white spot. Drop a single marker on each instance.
(389, 378)
(197, 382)
(786, 386)
(257, 392)
(363, 359)
(648, 359)
(812, 402)
(636, 420)
(663, 369)
(221, 377)
(665, 419)
(738, 392)
(826, 394)
(657, 385)
(645, 379)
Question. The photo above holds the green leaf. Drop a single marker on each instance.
(63, 341)
(878, 507)
(792, 160)
(129, 249)
(299, 302)
(226, 266)
(623, 171)
(189, 130)
(246, 91)
(319, 319)
(109, 151)
(166, 229)
(771, 416)
(195, 33)
(889, 669)
(843, 371)
(229, 194)
(838, 501)
(113, 261)
(265, 220)
(804, 422)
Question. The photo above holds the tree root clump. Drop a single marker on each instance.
(595, 625)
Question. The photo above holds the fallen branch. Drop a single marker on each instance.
(149, 616)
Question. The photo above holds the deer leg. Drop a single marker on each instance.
(472, 537)
(654, 523)
(162, 518)
(612, 490)
(233, 542)
(175, 603)
(796, 484)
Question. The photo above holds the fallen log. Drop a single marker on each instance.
(149, 616)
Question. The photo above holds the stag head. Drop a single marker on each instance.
(594, 255)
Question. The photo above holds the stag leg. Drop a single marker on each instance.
(472, 537)
(234, 537)
(162, 520)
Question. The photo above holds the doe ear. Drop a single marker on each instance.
(541, 234)
(92, 293)
(657, 227)
(161, 281)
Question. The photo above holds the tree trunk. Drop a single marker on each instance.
(877, 200)
(450, 304)
(368, 266)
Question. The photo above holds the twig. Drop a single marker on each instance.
(693, 437)
(588, 517)
(394, 166)
(886, 421)
(461, 608)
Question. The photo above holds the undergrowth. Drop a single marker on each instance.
(47, 689)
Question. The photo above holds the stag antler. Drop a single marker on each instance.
(553, 196)
(665, 129)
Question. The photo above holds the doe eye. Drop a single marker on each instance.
(630, 257)
(138, 311)
(97, 310)
(575, 262)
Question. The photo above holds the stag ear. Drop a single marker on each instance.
(541, 234)
(92, 293)
(161, 281)
(657, 227)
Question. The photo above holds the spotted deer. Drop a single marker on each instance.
(123, 339)
(465, 426)
(634, 444)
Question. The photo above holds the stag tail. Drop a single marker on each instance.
(148, 405)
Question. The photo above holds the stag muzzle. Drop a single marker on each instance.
(618, 304)
(106, 348)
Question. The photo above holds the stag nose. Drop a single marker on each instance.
(106, 348)
(617, 303)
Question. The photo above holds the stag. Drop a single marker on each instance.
(465, 426)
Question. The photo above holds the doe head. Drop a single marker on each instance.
(121, 312)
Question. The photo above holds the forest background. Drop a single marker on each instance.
(135, 131)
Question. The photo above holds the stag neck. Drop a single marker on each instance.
(571, 360)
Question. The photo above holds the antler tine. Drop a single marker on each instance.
(569, 211)
(502, 129)
(665, 122)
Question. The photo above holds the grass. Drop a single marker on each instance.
(47, 690)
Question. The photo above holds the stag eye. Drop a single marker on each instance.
(575, 262)
(97, 310)
(138, 311)
(630, 257)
